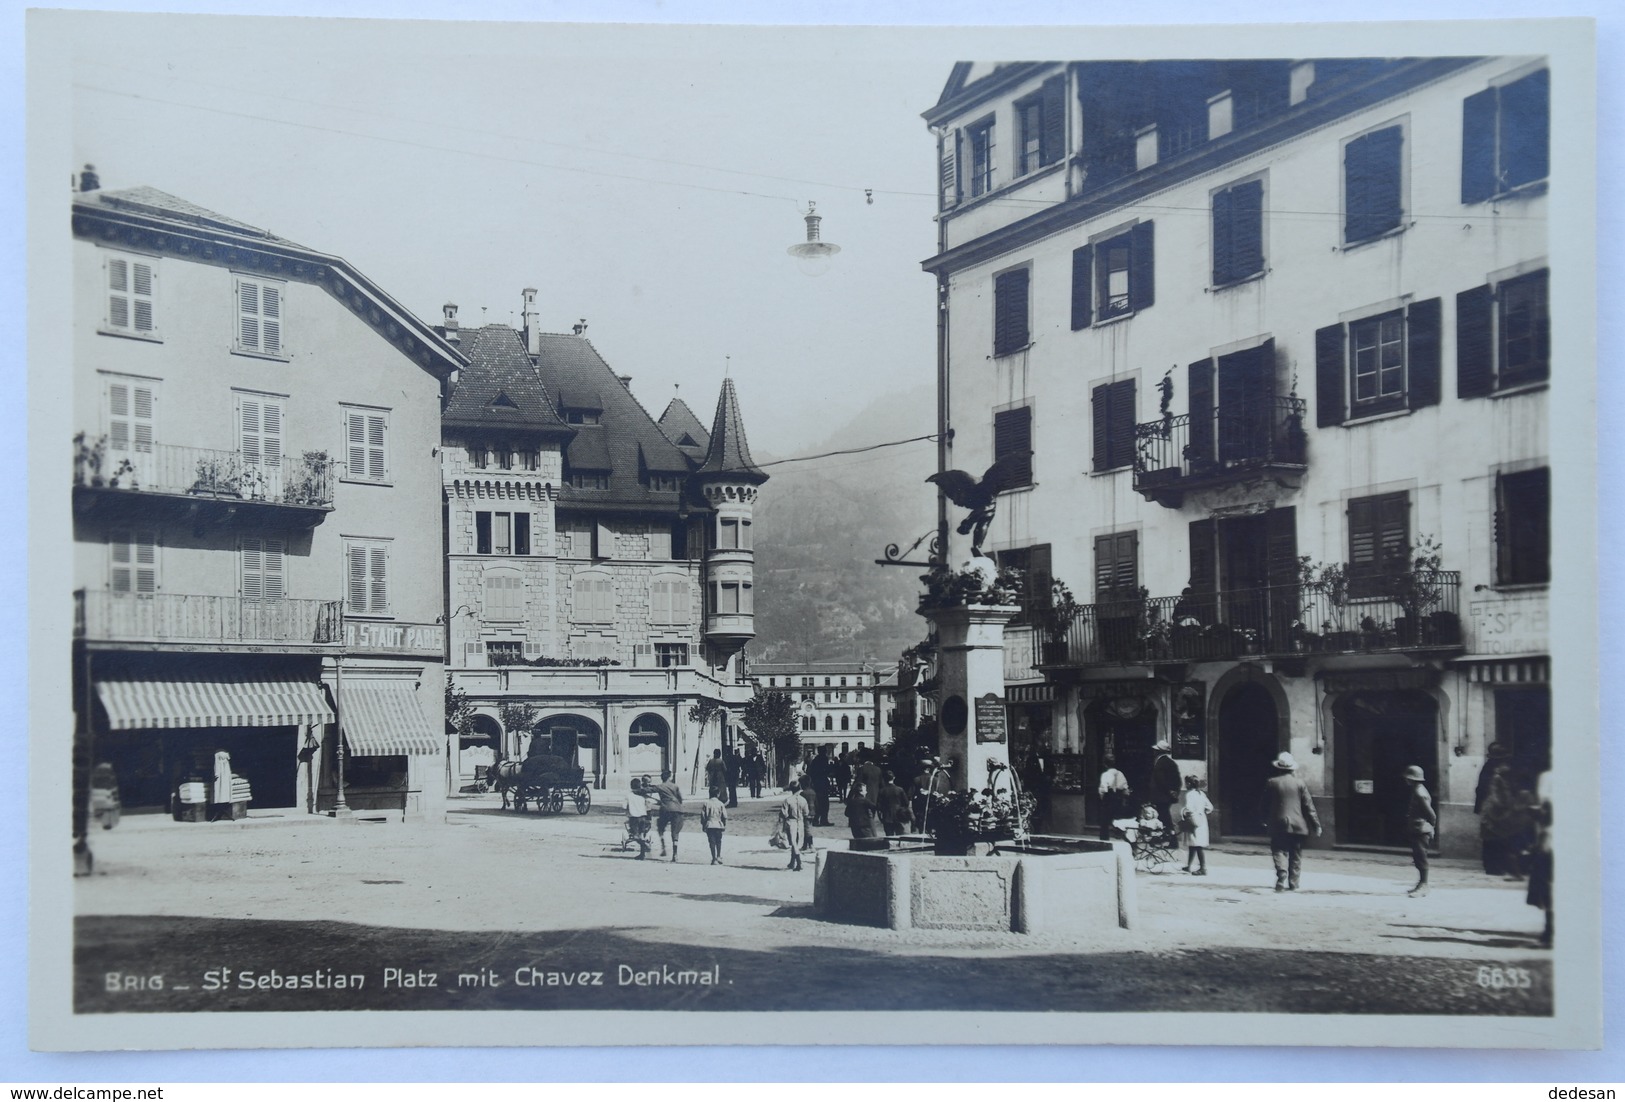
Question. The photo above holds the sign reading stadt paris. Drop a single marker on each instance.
(364, 637)
(989, 718)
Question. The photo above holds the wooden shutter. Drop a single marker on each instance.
(130, 291)
(1247, 229)
(1379, 539)
(248, 315)
(1422, 322)
(132, 562)
(1010, 332)
(1475, 342)
(1117, 567)
(1101, 403)
(1121, 452)
(270, 318)
(260, 433)
(950, 169)
(1478, 146)
(1199, 379)
(1523, 527)
(1082, 287)
(262, 569)
(356, 577)
(378, 578)
(129, 419)
(1013, 435)
(1281, 560)
(1371, 168)
(1224, 244)
(1142, 272)
(1204, 559)
(1525, 125)
(603, 544)
(1330, 377)
(366, 441)
(660, 601)
(681, 601)
(1052, 143)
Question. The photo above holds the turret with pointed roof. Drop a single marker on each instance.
(728, 457)
(729, 479)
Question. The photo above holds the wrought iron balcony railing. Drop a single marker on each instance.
(105, 616)
(1270, 620)
(1231, 441)
(302, 480)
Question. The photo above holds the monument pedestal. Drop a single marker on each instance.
(970, 642)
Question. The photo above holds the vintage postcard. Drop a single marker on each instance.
(844, 535)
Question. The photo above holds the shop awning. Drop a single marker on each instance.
(1533, 670)
(150, 704)
(1029, 694)
(383, 717)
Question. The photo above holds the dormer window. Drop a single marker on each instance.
(581, 416)
(665, 483)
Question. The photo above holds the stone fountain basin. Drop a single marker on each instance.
(1052, 884)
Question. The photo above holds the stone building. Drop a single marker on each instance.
(599, 582)
(1271, 341)
(256, 554)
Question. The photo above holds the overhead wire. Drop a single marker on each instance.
(849, 451)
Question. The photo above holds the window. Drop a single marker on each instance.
(1238, 232)
(501, 533)
(671, 654)
(504, 596)
(1013, 436)
(665, 483)
(529, 459)
(829, 723)
(259, 435)
(1388, 361)
(841, 697)
(828, 682)
(1011, 327)
(1372, 184)
(262, 569)
(479, 457)
(589, 480)
(366, 434)
(1523, 504)
(669, 600)
(728, 533)
(981, 157)
(131, 406)
(1113, 410)
(504, 652)
(132, 288)
(1033, 563)
(1503, 335)
(1379, 542)
(1114, 277)
(843, 685)
(132, 562)
(366, 590)
(1117, 567)
(594, 594)
(846, 723)
(259, 317)
(581, 416)
(1041, 126)
(1505, 137)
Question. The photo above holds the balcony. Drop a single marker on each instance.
(106, 617)
(1277, 621)
(201, 483)
(1231, 444)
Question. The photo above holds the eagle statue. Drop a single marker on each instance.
(980, 496)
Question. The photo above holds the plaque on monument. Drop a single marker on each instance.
(989, 718)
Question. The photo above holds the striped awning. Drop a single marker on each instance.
(133, 705)
(1512, 671)
(383, 717)
(1029, 694)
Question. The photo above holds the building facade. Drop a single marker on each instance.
(1272, 338)
(599, 572)
(835, 702)
(256, 560)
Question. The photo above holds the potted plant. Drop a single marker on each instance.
(217, 475)
(1329, 582)
(1056, 614)
(1418, 588)
(975, 585)
(310, 484)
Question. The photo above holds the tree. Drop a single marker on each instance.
(700, 714)
(773, 718)
(459, 710)
(516, 716)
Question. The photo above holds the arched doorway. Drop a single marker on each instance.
(1249, 739)
(1377, 735)
(575, 739)
(1124, 727)
(477, 750)
(648, 746)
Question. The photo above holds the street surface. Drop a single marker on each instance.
(503, 910)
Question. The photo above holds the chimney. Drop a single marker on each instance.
(533, 336)
(451, 323)
(88, 180)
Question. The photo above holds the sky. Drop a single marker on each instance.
(649, 182)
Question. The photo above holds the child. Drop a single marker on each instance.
(1193, 820)
(637, 818)
(714, 820)
(1421, 821)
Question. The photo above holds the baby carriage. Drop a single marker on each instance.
(1152, 842)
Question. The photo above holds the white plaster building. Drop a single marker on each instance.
(835, 702)
(1239, 314)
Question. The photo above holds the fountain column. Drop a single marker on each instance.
(971, 715)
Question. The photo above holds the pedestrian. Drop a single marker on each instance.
(637, 818)
(1114, 796)
(930, 786)
(1420, 824)
(1037, 774)
(893, 806)
(755, 771)
(1503, 826)
(716, 771)
(735, 773)
(868, 774)
(1497, 755)
(714, 820)
(1166, 783)
(807, 823)
(819, 779)
(1193, 820)
(1291, 818)
(1540, 857)
(860, 812)
(792, 812)
(671, 812)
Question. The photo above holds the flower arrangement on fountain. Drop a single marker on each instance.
(979, 582)
(961, 819)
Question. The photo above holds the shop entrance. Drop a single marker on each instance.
(1249, 740)
(1124, 727)
(1523, 724)
(646, 746)
(1379, 734)
(149, 764)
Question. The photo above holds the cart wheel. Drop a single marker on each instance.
(555, 800)
(583, 800)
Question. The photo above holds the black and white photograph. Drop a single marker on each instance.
(840, 534)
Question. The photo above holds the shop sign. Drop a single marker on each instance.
(1381, 681)
(1510, 625)
(989, 718)
(1190, 721)
(1365, 788)
(367, 637)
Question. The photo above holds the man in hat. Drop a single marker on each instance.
(1291, 816)
(1420, 823)
(1497, 755)
(1166, 783)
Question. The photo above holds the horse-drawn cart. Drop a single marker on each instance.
(542, 783)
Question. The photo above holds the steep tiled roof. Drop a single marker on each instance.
(500, 386)
(729, 453)
(149, 200)
(679, 422)
(571, 368)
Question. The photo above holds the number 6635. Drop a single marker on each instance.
(1501, 979)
